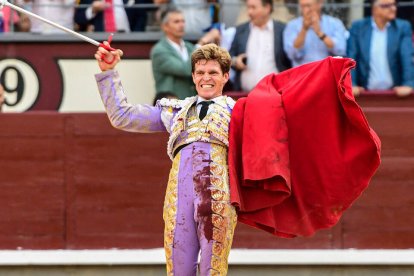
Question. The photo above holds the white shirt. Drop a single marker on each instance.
(196, 13)
(260, 56)
(181, 49)
(59, 11)
(201, 99)
(121, 18)
(227, 36)
(380, 77)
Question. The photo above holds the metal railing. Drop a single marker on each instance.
(230, 9)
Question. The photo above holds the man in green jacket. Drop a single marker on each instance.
(171, 63)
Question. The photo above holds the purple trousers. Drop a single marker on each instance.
(197, 213)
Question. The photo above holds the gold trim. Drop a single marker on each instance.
(170, 212)
(224, 217)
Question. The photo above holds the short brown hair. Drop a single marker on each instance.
(268, 2)
(212, 52)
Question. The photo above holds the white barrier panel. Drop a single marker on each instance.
(80, 93)
(237, 257)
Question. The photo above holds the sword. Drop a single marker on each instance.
(78, 35)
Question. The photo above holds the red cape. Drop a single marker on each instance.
(301, 150)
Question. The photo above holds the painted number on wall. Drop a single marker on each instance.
(21, 85)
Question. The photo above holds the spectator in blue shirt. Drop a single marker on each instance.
(382, 46)
(313, 36)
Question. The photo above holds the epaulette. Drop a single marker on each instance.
(165, 102)
(175, 103)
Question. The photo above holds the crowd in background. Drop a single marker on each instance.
(105, 15)
(144, 15)
(381, 44)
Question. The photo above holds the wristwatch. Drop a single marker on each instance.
(322, 37)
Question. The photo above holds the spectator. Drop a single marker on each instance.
(171, 64)
(24, 24)
(257, 48)
(12, 21)
(284, 11)
(313, 36)
(59, 11)
(382, 46)
(109, 16)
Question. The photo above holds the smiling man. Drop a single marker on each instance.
(198, 215)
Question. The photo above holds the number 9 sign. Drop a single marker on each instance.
(21, 85)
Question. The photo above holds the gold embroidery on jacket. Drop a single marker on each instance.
(224, 217)
(170, 213)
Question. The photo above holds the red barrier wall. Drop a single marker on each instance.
(71, 181)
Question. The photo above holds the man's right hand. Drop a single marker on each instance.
(113, 55)
(238, 62)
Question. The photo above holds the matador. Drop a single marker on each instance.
(197, 212)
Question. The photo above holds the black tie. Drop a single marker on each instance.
(204, 109)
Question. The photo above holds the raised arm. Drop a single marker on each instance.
(123, 115)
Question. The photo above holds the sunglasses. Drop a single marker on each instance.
(387, 6)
